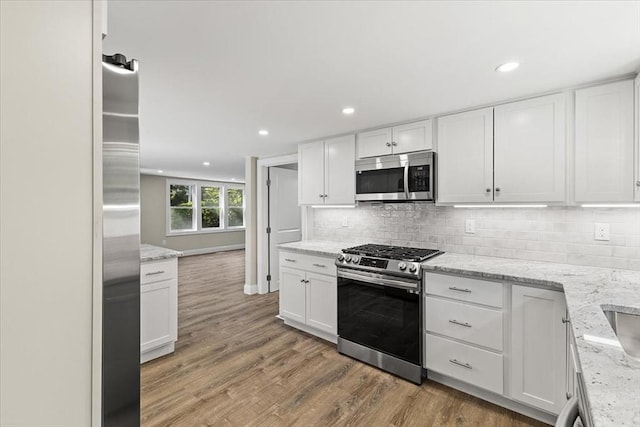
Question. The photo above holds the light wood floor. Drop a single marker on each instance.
(237, 365)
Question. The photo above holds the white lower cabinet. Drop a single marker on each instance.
(538, 348)
(308, 294)
(507, 341)
(158, 308)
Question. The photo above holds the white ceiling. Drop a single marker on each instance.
(213, 73)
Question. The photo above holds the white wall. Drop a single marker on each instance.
(46, 213)
(554, 234)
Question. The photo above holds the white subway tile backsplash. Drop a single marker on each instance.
(554, 234)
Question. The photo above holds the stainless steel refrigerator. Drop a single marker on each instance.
(121, 244)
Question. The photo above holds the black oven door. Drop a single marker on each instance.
(380, 316)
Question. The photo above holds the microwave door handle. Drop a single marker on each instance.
(406, 180)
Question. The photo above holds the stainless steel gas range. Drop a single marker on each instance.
(380, 307)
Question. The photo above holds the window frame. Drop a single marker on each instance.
(197, 206)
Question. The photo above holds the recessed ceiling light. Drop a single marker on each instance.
(508, 66)
(206, 163)
(233, 179)
(348, 110)
(160, 171)
(263, 132)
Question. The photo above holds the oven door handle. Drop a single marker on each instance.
(363, 277)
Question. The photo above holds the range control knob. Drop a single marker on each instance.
(347, 258)
(413, 268)
(355, 259)
(341, 257)
(402, 266)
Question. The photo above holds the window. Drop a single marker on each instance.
(204, 207)
(235, 211)
(181, 207)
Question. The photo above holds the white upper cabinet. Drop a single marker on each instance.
(406, 138)
(326, 171)
(465, 157)
(604, 160)
(529, 150)
(375, 143)
(415, 136)
(311, 173)
(339, 166)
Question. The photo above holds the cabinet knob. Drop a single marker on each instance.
(488, 190)
(321, 195)
(394, 143)
(388, 144)
(325, 196)
(637, 183)
(498, 189)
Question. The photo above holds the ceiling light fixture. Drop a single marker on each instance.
(263, 132)
(206, 163)
(348, 110)
(160, 171)
(508, 66)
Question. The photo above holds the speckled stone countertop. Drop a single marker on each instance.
(316, 247)
(156, 253)
(612, 378)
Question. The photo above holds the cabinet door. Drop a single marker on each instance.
(529, 150)
(322, 300)
(465, 157)
(412, 137)
(374, 143)
(292, 294)
(340, 175)
(538, 353)
(158, 314)
(311, 173)
(604, 143)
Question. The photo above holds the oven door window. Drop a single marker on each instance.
(380, 317)
(380, 181)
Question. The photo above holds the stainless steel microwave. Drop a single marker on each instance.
(397, 177)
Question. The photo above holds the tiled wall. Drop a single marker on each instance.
(554, 234)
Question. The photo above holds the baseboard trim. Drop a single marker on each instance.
(493, 398)
(203, 251)
(250, 289)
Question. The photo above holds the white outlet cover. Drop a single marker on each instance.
(601, 231)
(345, 221)
(470, 226)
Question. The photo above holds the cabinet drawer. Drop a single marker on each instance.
(157, 271)
(472, 365)
(464, 289)
(310, 263)
(477, 325)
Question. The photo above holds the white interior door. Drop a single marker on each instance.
(284, 216)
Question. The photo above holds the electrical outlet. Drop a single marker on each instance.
(470, 226)
(601, 231)
(345, 221)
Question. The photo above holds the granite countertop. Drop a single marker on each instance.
(316, 247)
(155, 253)
(612, 378)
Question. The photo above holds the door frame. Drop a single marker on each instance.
(262, 211)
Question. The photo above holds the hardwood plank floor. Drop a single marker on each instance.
(235, 364)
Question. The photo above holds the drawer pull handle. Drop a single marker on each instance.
(153, 273)
(464, 365)
(453, 288)
(455, 322)
(303, 281)
(319, 265)
(565, 320)
(290, 260)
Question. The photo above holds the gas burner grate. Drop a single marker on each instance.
(392, 252)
